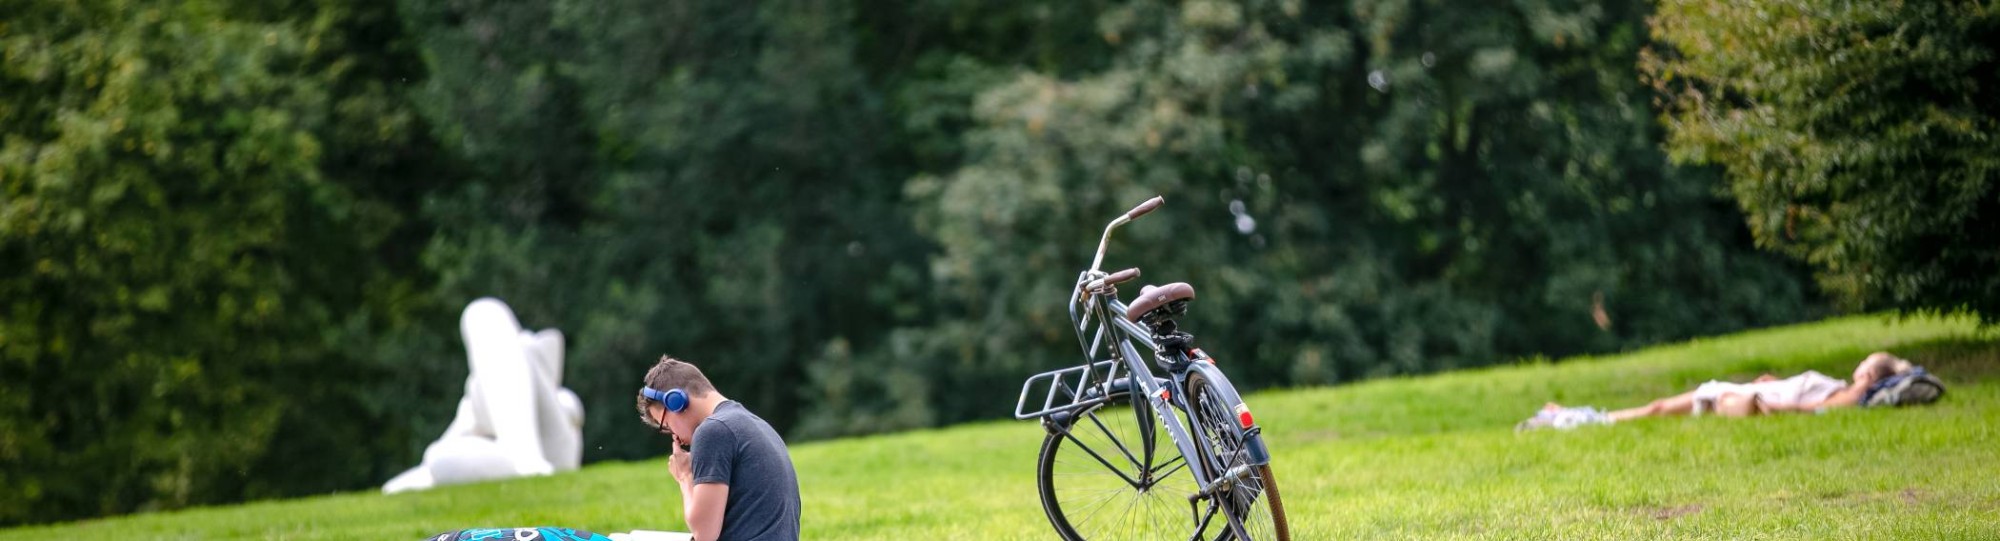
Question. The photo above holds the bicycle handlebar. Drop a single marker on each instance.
(1121, 276)
(1144, 208)
(1130, 215)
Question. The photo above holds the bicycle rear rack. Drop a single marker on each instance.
(1068, 389)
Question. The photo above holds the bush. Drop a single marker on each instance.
(1857, 136)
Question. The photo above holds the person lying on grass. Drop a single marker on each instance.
(1875, 380)
(736, 479)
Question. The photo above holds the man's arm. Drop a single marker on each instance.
(703, 509)
(701, 504)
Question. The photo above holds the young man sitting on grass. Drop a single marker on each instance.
(736, 479)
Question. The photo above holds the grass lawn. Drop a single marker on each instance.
(1429, 457)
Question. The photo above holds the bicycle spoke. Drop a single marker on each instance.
(1178, 463)
(1249, 516)
(1132, 501)
(1115, 440)
(1100, 460)
(1090, 511)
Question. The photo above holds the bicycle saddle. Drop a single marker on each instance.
(1151, 297)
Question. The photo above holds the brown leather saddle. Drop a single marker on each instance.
(1154, 297)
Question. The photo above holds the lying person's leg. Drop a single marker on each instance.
(1680, 404)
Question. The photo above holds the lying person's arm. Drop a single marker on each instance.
(1844, 397)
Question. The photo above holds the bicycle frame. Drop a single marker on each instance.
(1095, 300)
(1123, 334)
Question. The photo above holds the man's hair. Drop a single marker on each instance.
(668, 374)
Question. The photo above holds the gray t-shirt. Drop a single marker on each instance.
(736, 448)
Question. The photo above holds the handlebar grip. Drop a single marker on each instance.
(1144, 208)
(1122, 276)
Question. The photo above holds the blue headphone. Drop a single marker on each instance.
(674, 399)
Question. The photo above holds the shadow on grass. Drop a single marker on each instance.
(1962, 359)
(1957, 359)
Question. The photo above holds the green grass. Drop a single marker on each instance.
(1429, 457)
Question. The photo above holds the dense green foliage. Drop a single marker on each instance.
(1430, 457)
(240, 230)
(720, 195)
(202, 208)
(1379, 191)
(1858, 136)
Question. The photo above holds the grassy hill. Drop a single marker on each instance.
(1431, 457)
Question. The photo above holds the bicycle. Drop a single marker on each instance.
(1102, 472)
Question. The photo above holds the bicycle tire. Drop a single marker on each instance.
(1209, 413)
(1078, 490)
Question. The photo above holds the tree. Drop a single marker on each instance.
(1858, 137)
(201, 200)
(856, 216)
(1394, 187)
(704, 179)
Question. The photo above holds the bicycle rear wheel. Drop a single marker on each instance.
(1254, 500)
(1099, 480)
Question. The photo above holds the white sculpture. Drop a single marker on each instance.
(516, 419)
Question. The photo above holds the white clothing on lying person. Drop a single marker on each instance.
(1809, 387)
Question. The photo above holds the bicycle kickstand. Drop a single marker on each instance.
(1201, 521)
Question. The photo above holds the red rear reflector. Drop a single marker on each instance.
(1243, 415)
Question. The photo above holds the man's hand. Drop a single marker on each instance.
(679, 465)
